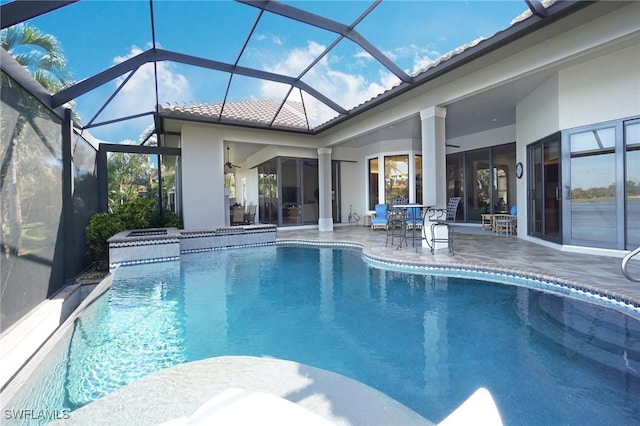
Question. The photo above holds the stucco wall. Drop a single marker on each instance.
(202, 178)
(537, 114)
(500, 136)
(351, 175)
(603, 89)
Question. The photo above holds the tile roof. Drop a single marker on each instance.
(260, 112)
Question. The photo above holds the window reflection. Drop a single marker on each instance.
(632, 140)
(418, 173)
(504, 188)
(373, 183)
(478, 175)
(455, 180)
(593, 186)
(396, 177)
(484, 179)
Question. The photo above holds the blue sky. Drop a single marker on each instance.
(98, 34)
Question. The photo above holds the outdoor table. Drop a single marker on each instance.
(413, 220)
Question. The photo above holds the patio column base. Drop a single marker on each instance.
(325, 224)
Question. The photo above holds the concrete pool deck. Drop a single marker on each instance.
(180, 390)
(476, 249)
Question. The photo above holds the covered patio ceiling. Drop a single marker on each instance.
(232, 82)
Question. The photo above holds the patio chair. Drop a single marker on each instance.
(414, 218)
(250, 216)
(237, 215)
(446, 218)
(506, 222)
(413, 225)
(379, 220)
(397, 226)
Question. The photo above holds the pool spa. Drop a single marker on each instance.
(426, 338)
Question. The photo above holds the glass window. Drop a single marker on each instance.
(268, 192)
(484, 179)
(230, 182)
(169, 196)
(478, 177)
(455, 181)
(504, 178)
(418, 173)
(632, 141)
(593, 186)
(373, 183)
(310, 191)
(396, 177)
(291, 194)
(593, 140)
(297, 182)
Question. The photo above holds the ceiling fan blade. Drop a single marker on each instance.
(228, 163)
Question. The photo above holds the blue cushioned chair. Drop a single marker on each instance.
(380, 219)
(414, 218)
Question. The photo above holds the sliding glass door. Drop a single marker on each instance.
(585, 191)
(545, 190)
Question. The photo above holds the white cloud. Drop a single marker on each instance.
(346, 89)
(138, 95)
(140, 89)
(273, 38)
(363, 54)
(417, 57)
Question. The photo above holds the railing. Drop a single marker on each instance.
(625, 265)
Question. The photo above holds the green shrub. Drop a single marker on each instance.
(137, 213)
(101, 227)
(167, 220)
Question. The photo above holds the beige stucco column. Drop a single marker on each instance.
(325, 220)
(434, 170)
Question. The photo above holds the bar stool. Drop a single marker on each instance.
(444, 218)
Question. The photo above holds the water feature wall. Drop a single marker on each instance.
(164, 244)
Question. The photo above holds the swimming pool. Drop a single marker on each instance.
(428, 341)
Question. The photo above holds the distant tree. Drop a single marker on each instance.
(128, 175)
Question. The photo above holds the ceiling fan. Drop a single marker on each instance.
(228, 163)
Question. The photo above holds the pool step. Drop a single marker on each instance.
(599, 334)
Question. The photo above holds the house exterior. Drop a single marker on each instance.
(560, 101)
(543, 116)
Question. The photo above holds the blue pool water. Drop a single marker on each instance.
(427, 341)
